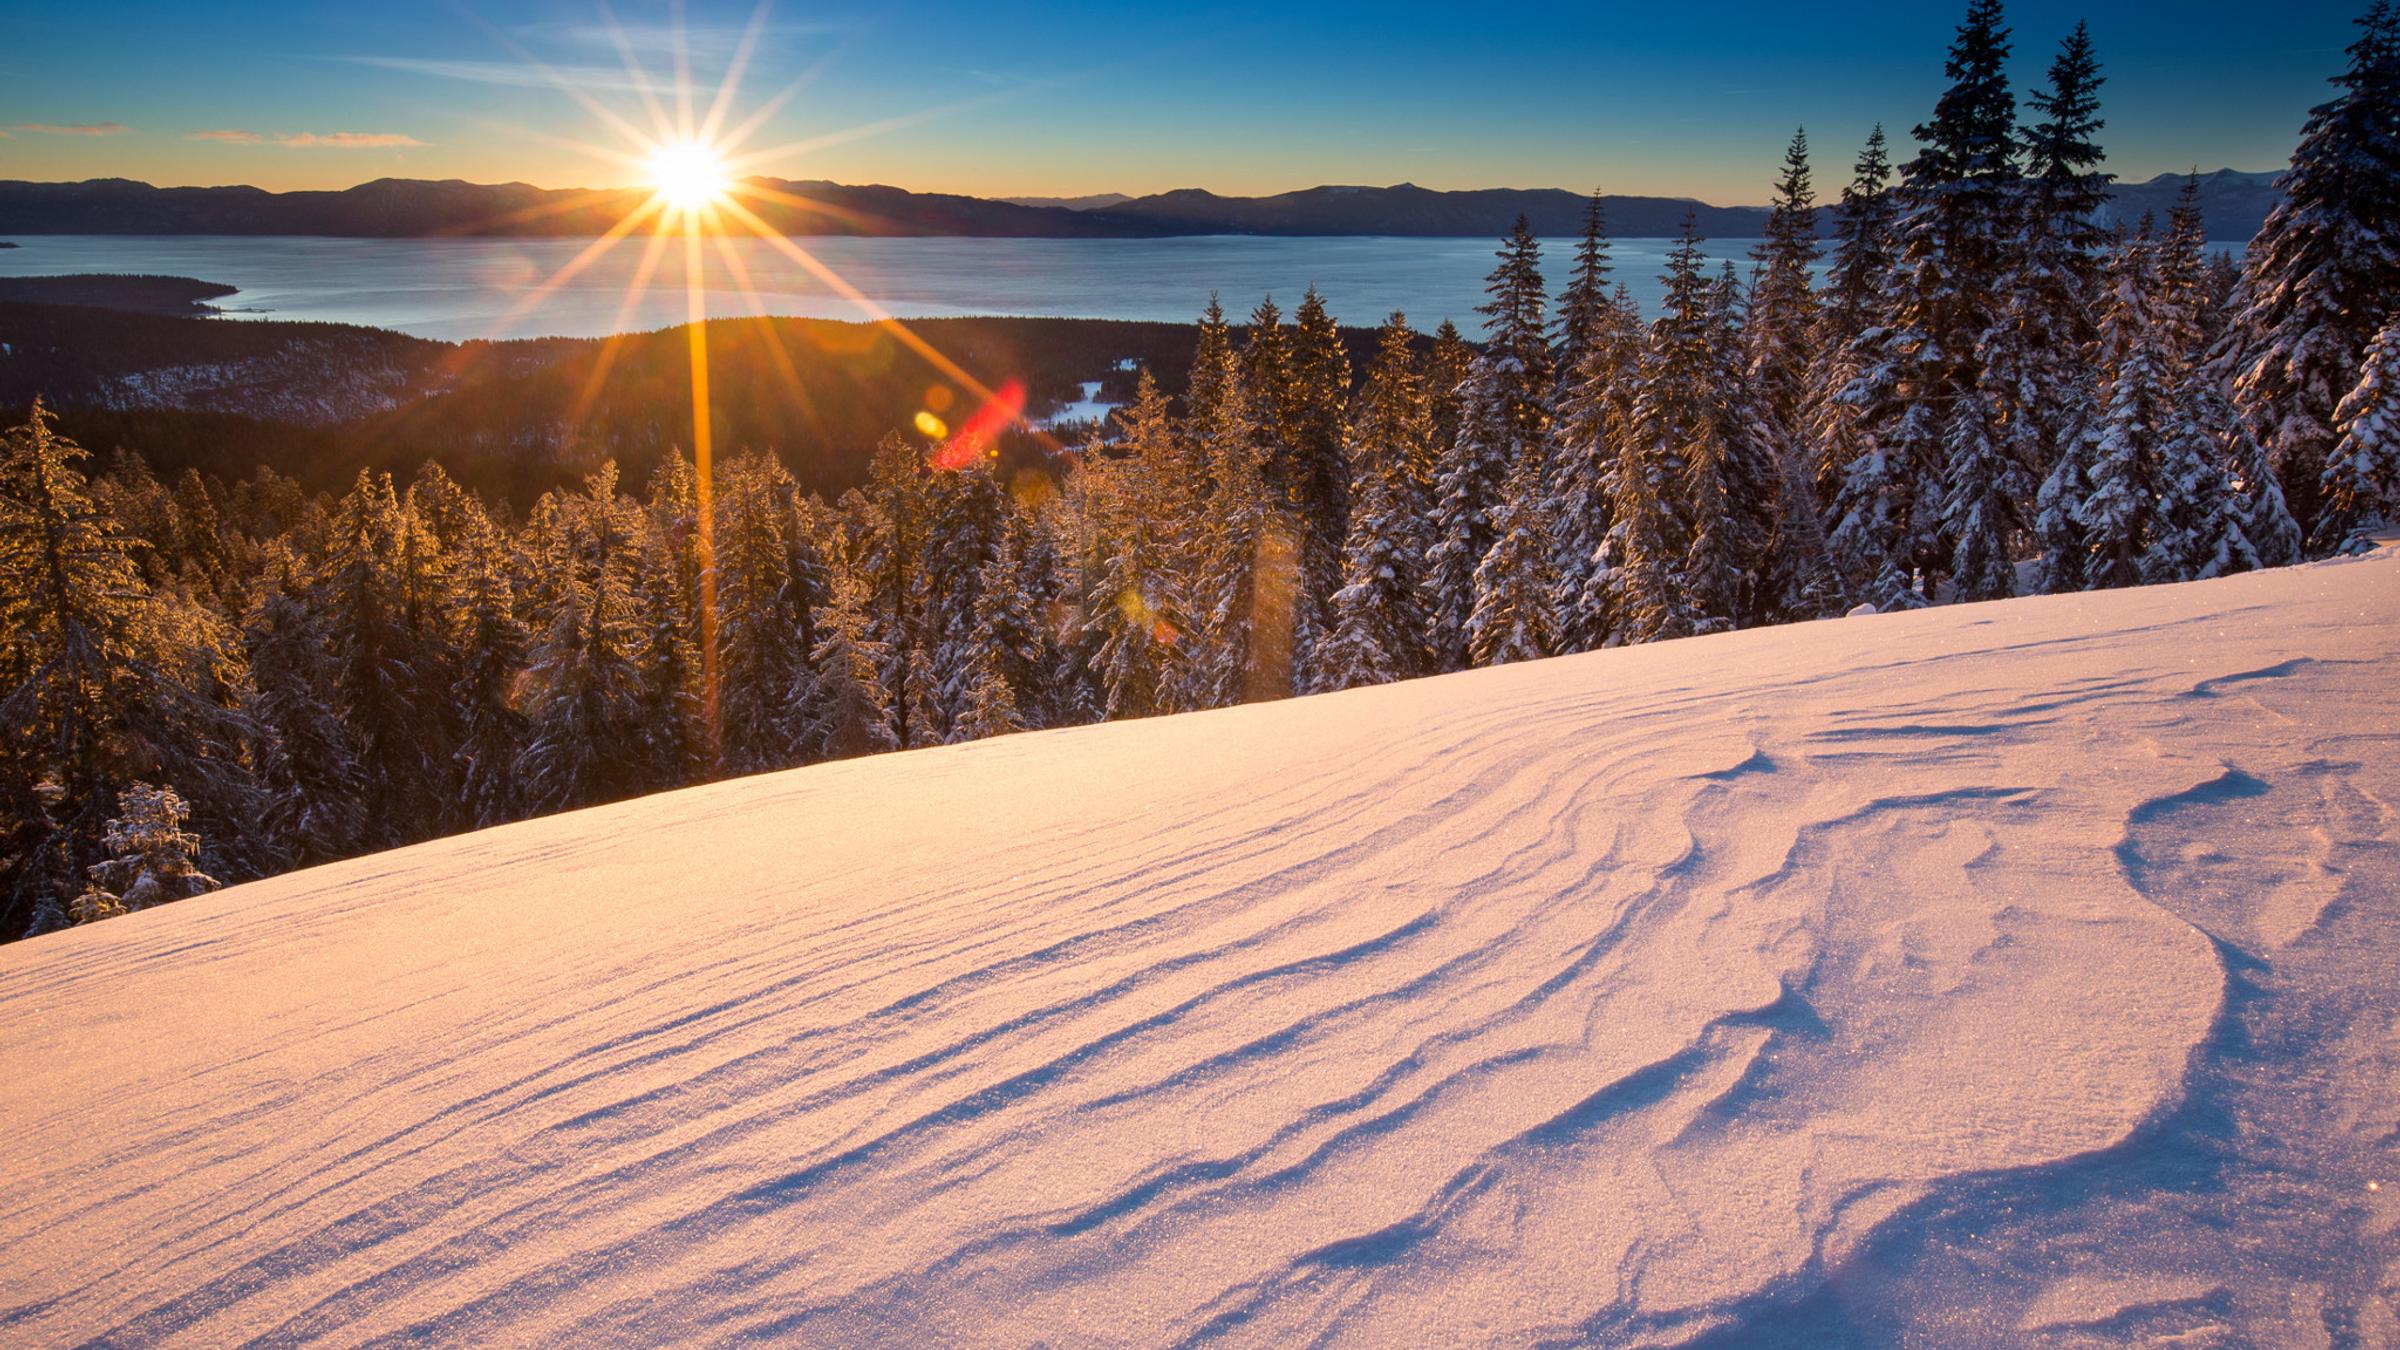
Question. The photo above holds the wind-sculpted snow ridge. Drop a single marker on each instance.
(2016, 972)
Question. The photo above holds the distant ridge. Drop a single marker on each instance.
(2233, 202)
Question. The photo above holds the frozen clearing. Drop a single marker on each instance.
(2018, 972)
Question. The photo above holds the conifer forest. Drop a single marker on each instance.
(1937, 381)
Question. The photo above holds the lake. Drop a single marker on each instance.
(486, 288)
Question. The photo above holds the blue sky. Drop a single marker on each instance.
(1680, 99)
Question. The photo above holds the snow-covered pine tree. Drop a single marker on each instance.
(1377, 626)
(1736, 575)
(1317, 481)
(1266, 374)
(2036, 376)
(1782, 323)
(2323, 274)
(1466, 490)
(849, 710)
(890, 564)
(1005, 675)
(1447, 367)
(1583, 306)
(2058, 515)
(1504, 417)
(762, 621)
(1852, 299)
(1244, 576)
(1593, 422)
(1675, 412)
(1516, 587)
(585, 740)
(2119, 516)
(152, 860)
(308, 765)
(2257, 506)
(101, 679)
(1516, 339)
(2360, 491)
(363, 594)
(1922, 368)
(968, 511)
(491, 721)
(2183, 300)
(2193, 535)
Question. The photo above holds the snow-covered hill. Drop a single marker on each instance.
(2016, 972)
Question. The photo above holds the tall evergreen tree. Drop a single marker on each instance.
(2323, 274)
(1516, 586)
(1783, 305)
(1862, 263)
(1583, 306)
(2360, 490)
(849, 709)
(1378, 618)
(1317, 482)
(1920, 393)
(102, 680)
(585, 740)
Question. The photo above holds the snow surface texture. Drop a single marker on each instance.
(2018, 972)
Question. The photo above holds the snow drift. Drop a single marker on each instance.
(2017, 971)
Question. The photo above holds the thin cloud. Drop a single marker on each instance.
(229, 137)
(512, 74)
(347, 140)
(73, 128)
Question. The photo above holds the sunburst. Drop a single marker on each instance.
(694, 166)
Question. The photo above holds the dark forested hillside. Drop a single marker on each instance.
(2235, 203)
(513, 419)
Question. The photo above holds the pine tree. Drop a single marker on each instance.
(1516, 586)
(2323, 274)
(849, 711)
(1922, 371)
(2360, 490)
(101, 678)
(1783, 306)
(2257, 505)
(2058, 520)
(2183, 301)
(1142, 516)
(1862, 261)
(1003, 682)
(1594, 422)
(891, 567)
(672, 698)
(308, 761)
(2035, 373)
(152, 860)
(492, 723)
(585, 740)
(1516, 342)
(1243, 576)
(1447, 368)
(363, 595)
(2119, 517)
(1378, 617)
(1583, 307)
(1317, 483)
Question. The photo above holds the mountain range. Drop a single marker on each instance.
(2233, 202)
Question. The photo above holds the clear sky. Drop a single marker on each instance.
(992, 97)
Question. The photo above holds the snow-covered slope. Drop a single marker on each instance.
(2010, 972)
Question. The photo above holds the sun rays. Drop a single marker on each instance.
(694, 165)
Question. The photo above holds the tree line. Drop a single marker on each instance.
(1973, 393)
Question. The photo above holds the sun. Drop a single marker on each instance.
(689, 175)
